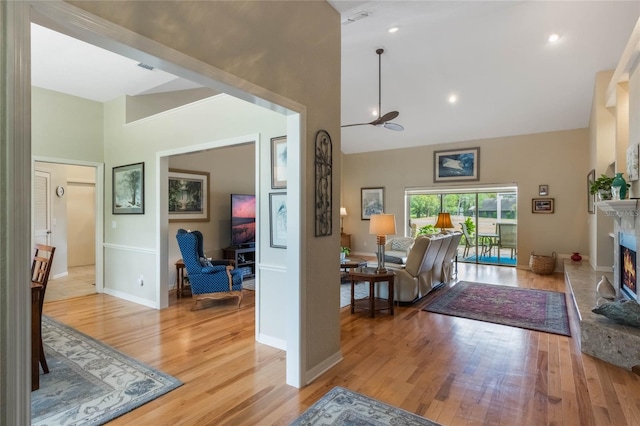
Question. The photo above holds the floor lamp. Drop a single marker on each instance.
(382, 225)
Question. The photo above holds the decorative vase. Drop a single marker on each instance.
(618, 181)
(605, 289)
(343, 256)
(576, 257)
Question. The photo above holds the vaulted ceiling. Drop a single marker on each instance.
(494, 56)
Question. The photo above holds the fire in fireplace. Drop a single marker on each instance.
(628, 283)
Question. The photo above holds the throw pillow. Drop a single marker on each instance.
(205, 262)
(401, 244)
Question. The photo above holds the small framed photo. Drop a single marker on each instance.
(372, 201)
(188, 196)
(279, 162)
(542, 205)
(457, 165)
(632, 162)
(128, 189)
(543, 190)
(278, 219)
(591, 198)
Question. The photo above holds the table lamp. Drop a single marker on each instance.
(343, 213)
(382, 225)
(444, 221)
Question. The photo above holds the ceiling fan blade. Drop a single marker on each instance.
(393, 126)
(351, 125)
(389, 116)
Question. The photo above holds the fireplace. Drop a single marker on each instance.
(628, 283)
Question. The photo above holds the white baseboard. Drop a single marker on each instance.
(316, 371)
(272, 341)
(130, 298)
(60, 275)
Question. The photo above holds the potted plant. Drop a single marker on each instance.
(344, 252)
(602, 187)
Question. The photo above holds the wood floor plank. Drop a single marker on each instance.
(450, 370)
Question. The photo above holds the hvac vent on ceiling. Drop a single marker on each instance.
(145, 66)
(356, 17)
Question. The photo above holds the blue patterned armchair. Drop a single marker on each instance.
(208, 279)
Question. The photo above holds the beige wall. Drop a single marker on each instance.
(66, 126)
(558, 159)
(81, 215)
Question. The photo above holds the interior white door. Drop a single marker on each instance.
(42, 208)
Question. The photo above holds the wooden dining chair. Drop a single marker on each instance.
(40, 270)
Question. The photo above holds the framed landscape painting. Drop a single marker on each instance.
(372, 200)
(457, 165)
(128, 189)
(188, 196)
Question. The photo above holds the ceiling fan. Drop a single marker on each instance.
(382, 120)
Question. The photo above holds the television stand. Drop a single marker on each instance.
(244, 257)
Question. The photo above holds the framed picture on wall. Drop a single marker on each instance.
(128, 189)
(279, 162)
(591, 198)
(542, 205)
(457, 165)
(372, 201)
(278, 219)
(188, 196)
(632, 162)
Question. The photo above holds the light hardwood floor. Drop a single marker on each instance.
(451, 370)
(79, 281)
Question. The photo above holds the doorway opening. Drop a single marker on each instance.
(487, 217)
(66, 216)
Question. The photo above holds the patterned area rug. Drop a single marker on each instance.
(90, 382)
(361, 291)
(539, 310)
(342, 407)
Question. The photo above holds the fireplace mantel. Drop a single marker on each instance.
(619, 208)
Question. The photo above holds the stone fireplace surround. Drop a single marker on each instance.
(599, 336)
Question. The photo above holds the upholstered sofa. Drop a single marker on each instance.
(415, 279)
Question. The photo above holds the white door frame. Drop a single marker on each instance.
(99, 203)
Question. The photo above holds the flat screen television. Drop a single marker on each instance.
(243, 220)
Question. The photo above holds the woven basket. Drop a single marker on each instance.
(543, 265)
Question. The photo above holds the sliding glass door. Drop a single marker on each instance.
(488, 220)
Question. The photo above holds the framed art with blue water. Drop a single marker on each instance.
(458, 165)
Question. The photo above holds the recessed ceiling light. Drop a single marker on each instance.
(453, 99)
(393, 29)
(553, 38)
(374, 113)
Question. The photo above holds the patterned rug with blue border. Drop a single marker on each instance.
(89, 382)
(343, 407)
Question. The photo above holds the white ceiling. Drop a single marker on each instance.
(493, 55)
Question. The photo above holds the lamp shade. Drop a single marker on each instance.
(343, 211)
(444, 221)
(382, 224)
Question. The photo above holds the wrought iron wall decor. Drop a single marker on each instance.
(324, 182)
